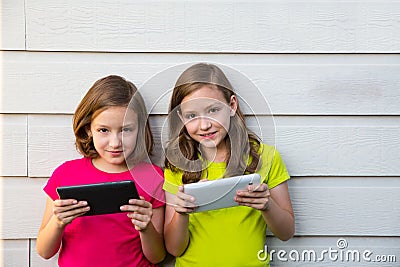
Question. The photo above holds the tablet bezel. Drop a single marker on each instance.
(103, 198)
(220, 193)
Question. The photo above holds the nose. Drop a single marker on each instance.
(115, 140)
(205, 123)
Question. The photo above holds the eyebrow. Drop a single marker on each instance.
(218, 103)
(129, 125)
(107, 126)
(99, 125)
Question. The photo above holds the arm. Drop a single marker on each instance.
(57, 215)
(176, 229)
(149, 222)
(275, 206)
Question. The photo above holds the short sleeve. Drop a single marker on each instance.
(149, 180)
(53, 182)
(277, 173)
(172, 181)
(158, 193)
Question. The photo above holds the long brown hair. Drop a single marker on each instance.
(107, 92)
(182, 152)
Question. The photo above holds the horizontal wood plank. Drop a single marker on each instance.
(335, 206)
(37, 261)
(51, 142)
(23, 203)
(12, 25)
(341, 206)
(347, 150)
(13, 145)
(218, 26)
(326, 146)
(14, 253)
(278, 84)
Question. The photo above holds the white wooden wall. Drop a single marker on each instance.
(330, 71)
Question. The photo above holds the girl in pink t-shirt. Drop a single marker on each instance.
(113, 135)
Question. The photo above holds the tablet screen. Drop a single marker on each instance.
(103, 198)
(220, 193)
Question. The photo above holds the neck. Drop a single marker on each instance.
(215, 154)
(109, 168)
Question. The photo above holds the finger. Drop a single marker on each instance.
(76, 212)
(137, 209)
(67, 216)
(255, 206)
(140, 221)
(65, 208)
(64, 202)
(139, 225)
(70, 217)
(257, 203)
(257, 188)
(184, 203)
(140, 202)
(185, 197)
(183, 207)
(139, 217)
(251, 200)
(184, 211)
(253, 194)
(137, 205)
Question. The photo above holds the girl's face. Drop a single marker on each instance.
(206, 116)
(114, 133)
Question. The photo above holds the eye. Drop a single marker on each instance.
(213, 110)
(102, 130)
(127, 129)
(190, 116)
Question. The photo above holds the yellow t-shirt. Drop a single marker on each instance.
(231, 236)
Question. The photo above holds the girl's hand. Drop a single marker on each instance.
(66, 210)
(256, 196)
(184, 203)
(140, 212)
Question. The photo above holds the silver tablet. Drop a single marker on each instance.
(220, 193)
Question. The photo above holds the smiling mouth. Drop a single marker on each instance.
(115, 152)
(208, 134)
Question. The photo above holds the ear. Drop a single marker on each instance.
(88, 131)
(233, 105)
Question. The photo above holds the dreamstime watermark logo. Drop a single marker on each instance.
(339, 254)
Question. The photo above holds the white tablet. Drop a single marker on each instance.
(220, 193)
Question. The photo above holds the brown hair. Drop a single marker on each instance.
(108, 92)
(181, 145)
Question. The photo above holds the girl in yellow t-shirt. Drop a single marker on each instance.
(208, 139)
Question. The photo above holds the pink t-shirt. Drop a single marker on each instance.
(104, 240)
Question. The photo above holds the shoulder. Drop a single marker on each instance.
(173, 179)
(149, 178)
(266, 148)
(273, 168)
(64, 175)
(174, 176)
(269, 153)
